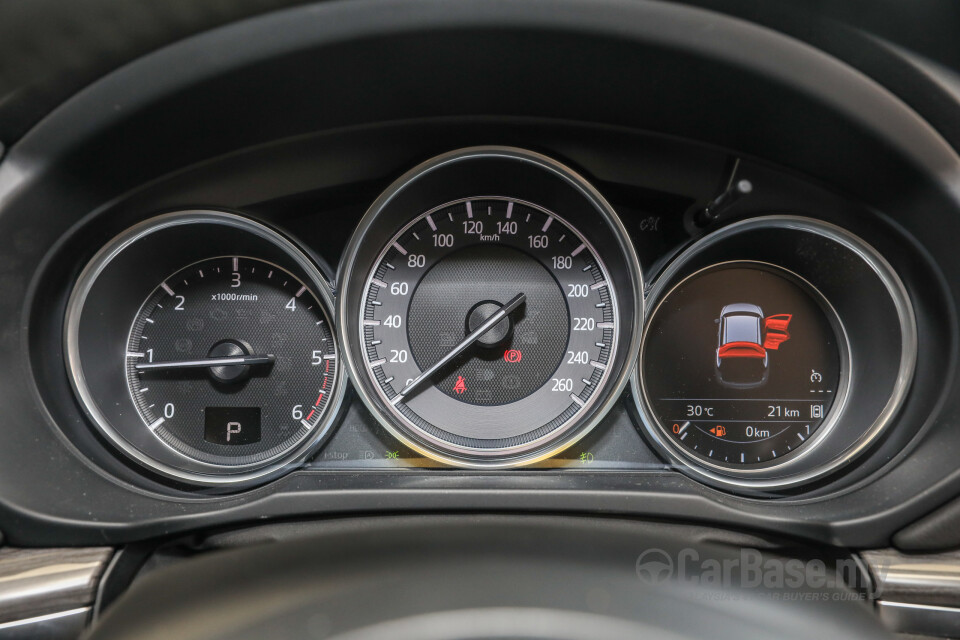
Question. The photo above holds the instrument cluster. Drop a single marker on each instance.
(489, 311)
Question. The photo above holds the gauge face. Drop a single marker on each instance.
(488, 325)
(232, 362)
(741, 365)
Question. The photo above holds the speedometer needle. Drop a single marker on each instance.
(472, 337)
(200, 363)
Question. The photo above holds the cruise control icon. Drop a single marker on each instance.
(745, 338)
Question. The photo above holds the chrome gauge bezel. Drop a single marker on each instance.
(844, 435)
(503, 451)
(783, 463)
(208, 228)
(450, 174)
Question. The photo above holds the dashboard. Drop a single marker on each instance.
(492, 330)
(663, 279)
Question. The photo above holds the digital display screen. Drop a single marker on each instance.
(741, 364)
(231, 425)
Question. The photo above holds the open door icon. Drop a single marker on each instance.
(775, 330)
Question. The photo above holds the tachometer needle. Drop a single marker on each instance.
(200, 363)
(477, 333)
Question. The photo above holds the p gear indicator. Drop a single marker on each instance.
(729, 362)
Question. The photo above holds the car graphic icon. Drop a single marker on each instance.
(744, 341)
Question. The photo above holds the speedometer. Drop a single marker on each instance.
(489, 327)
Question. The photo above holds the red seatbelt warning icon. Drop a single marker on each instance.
(461, 386)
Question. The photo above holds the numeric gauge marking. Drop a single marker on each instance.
(228, 364)
(456, 267)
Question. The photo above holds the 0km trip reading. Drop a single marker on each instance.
(488, 324)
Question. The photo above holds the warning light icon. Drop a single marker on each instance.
(513, 355)
(460, 386)
(719, 431)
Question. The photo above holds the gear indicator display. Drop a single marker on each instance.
(741, 364)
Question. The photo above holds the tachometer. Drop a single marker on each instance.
(231, 361)
(200, 344)
(489, 327)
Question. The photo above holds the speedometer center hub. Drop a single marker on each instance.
(523, 350)
(480, 313)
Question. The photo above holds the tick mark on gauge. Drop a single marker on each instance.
(330, 357)
(433, 225)
(599, 344)
(379, 283)
(388, 380)
(371, 323)
(546, 225)
(236, 264)
(300, 292)
(598, 285)
(576, 399)
(134, 355)
(469, 209)
(576, 252)
(415, 235)
(396, 245)
(598, 365)
(586, 382)
(389, 266)
(155, 424)
(376, 342)
(306, 424)
(167, 288)
(149, 320)
(509, 210)
(605, 325)
(377, 363)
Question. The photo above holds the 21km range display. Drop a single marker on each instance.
(741, 364)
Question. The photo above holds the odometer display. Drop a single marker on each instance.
(741, 365)
(529, 376)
